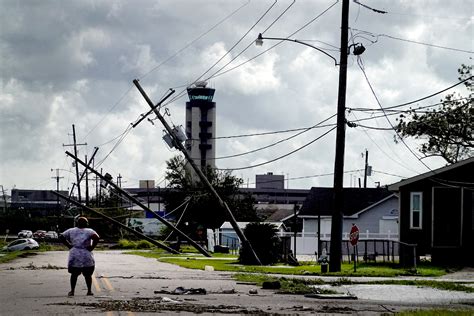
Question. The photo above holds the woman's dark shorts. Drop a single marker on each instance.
(86, 271)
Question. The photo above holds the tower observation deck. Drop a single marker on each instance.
(201, 124)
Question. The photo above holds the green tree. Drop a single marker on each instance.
(203, 209)
(448, 130)
(265, 242)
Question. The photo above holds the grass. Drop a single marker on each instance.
(259, 274)
(437, 312)
(225, 262)
(288, 285)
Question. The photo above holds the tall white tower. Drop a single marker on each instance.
(201, 125)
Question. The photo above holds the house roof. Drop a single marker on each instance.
(280, 215)
(242, 225)
(391, 196)
(437, 172)
(320, 200)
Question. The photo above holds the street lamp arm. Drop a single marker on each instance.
(260, 39)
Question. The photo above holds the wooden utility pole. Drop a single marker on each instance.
(366, 169)
(75, 144)
(57, 177)
(338, 195)
(108, 179)
(202, 177)
(87, 183)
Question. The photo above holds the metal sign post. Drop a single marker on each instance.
(354, 238)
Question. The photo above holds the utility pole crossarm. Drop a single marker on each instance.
(198, 171)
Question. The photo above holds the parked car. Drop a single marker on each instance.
(39, 234)
(51, 235)
(21, 244)
(25, 234)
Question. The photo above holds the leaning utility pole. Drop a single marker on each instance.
(198, 171)
(108, 179)
(338, 194)
(117, 223)
(75, 144)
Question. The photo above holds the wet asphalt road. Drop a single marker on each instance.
(126, 284)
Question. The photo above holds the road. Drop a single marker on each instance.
(126, 285)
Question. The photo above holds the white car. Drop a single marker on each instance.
(51, 235)
(21, 244)
(25, 234)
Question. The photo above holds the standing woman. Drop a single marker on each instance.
(81, 241)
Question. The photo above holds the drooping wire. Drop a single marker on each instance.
(110, 110)
(280, 157)
(278, 142)
(376, 36)
(250, 44)
(277, 43)
(183, 91)
(391, 108)
(380, 148)
(361, 66)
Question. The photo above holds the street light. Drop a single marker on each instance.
(337, 216)
(260, 38)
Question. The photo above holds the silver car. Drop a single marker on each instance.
(25, 234)
(21, 244)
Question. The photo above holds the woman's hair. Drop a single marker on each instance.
(82, 222)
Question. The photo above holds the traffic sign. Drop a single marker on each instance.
(354, 235)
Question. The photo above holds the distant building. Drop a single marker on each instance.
(270, 181)
(37, 202)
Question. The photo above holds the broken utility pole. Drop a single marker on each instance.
(154, 242)
(199, 172)
(108, 180)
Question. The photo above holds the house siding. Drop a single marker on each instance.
(370, 220)
(447, 232)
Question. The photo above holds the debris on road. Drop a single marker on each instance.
(182, 291)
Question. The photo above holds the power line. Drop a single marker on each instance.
(383, 151)
(275, 143)
(197, 39)
(280, 157)
(411, 41)
(359, 62)
(251, 43)
(426, 97)
(277, 43)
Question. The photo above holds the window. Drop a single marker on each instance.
(416, 206)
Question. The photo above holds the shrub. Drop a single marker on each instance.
(144, 244)
(265, 242)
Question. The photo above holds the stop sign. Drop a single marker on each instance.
(354, 235)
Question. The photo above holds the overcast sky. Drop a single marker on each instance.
(73, 62)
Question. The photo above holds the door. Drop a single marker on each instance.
(447, 217)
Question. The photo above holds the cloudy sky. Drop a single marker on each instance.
(73, 62)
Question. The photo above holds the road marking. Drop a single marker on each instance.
(130, 313)
(96, 284)
(110, 313)
(107, 284)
